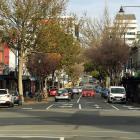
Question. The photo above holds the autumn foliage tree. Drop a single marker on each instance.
(42, 64)
(21, 19)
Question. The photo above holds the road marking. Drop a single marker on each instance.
(97, 107)
(68, 104)
(30, 136)
(27, 108)
(133, 108)
(79, 99)
(64, 106)
(115, 107)
(127, 106)
(49, 107)
(80, 107)
(62, 138)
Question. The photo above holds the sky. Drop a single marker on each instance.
(95, 8)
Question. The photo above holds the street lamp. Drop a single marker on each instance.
(39, 62)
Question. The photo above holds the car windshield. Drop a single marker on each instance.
(3, 92)
(118, 90)
(62, 91)
(88, 88)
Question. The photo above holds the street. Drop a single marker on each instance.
(81, 118)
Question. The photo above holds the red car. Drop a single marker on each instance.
(88, 92)
(53, 92)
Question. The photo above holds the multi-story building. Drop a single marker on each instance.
(129, 23)
(7, 67)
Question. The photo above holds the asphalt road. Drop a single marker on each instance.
(81, 118)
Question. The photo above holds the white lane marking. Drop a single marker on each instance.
(115, 107)
(27, 108)
(95, 105)
(30, 136)
(49, 107)
(80, 107)
(68, 131)
(133, 108)
(68, 104)
(63, 106)
(79, 99)
(62, 138)
(127, 106)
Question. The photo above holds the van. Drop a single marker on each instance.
(116, 94)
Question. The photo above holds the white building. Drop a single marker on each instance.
(129, 22)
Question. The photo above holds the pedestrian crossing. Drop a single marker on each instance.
(78, 106)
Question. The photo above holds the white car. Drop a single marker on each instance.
(6, 98)
(117, 94)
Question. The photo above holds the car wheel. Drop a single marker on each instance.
(19, 103)
(56, 100)
(108, 101)
(11, 105)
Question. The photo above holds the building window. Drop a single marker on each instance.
(131, 38)
(130, 33)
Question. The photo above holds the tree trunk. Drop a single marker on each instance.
(20, 71)
(53, 78)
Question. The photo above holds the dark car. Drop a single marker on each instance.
(17, 97)
(98, 89)
(104, 92)
(70, 92)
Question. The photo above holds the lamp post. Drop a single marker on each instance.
(39, 62)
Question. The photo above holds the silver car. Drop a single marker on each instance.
(62, 94)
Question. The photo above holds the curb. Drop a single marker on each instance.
(32, 101)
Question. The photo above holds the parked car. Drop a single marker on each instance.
(98, 89)
(117, 94)
(17, 97)
(104, 92)
(52, 91)
(62, 94)
(6, 98)
(88, 91)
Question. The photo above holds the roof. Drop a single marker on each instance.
(125, 17)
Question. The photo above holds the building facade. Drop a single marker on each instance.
(129, 23)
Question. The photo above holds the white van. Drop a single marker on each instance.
(117, 94)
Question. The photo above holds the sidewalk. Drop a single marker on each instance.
(33, 101)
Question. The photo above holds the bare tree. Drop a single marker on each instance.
(106, 47)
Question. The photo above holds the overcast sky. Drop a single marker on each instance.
(94, 8)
